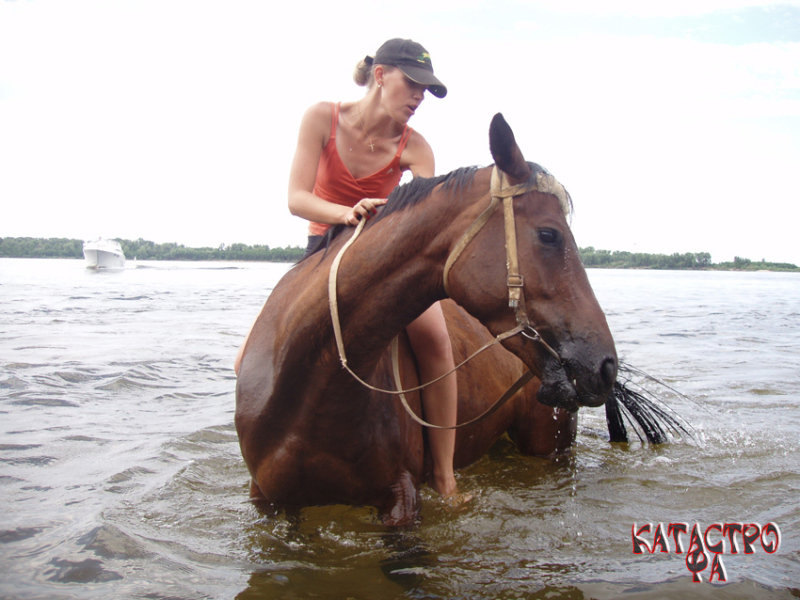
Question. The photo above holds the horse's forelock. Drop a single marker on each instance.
(542, 180)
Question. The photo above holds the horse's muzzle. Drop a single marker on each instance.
(570, 384)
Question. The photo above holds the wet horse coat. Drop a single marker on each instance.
(310, 434)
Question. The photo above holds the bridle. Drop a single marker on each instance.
(501, 191)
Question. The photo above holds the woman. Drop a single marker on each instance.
(349, 157)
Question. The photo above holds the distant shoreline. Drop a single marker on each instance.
(25, 247)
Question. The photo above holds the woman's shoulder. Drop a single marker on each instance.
(416, 139)
(319, 112)
(316, 123)
(418, 155)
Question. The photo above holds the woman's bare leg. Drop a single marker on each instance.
(434, 354)
(237, 362)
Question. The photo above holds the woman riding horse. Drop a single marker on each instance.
(311, 434)
(349, 157)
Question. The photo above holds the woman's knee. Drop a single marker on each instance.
(429, 337)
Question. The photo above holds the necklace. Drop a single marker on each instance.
(364, 129)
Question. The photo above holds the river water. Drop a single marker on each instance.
(120, 472)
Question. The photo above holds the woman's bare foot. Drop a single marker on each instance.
(447, 488)
(445, 484)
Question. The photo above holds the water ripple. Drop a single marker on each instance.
(122, 474)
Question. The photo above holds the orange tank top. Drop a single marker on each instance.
(336, 184)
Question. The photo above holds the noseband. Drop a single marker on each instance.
(500, 190)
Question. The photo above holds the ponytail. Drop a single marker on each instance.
(362, 74)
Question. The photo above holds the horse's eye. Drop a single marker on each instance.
(549, 237)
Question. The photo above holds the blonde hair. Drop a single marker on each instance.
(363, 73)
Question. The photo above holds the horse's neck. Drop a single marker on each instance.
(394, 271)
(381, 290)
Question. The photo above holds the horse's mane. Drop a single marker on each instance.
(418, 189)
(406, 196)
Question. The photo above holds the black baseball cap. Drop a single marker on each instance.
(413, 60)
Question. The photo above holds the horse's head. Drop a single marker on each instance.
(564, 337)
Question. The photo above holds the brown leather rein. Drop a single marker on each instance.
(500, 191)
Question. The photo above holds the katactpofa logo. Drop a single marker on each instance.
(706, 546)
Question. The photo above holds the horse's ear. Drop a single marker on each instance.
(507, 155)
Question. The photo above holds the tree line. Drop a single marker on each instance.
(26, 247)
(642, 260)
(146, 250)
(688, 260)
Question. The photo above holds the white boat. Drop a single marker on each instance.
(103, 254)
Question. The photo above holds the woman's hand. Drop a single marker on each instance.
(364, 209)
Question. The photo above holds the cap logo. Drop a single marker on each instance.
(424, 58)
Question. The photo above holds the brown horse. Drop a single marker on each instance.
(310, 434)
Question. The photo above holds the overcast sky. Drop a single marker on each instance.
(675, 125)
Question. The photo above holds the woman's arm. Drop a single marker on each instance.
(313, 135)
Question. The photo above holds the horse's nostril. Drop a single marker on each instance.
(608, 371)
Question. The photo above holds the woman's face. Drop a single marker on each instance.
(401, 97)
